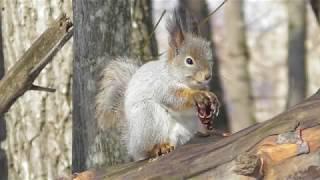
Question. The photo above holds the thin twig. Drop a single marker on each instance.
(201, 23)
(40, 88)
(158, 22)
(156, 56)
(147, 40)
(214, 11)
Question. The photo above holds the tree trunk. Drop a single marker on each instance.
(297, 79)
(39, 124)
(284, 147)
(2, 69)
(102, 31)
(3, 129)
(199, 10)
(238, 86)
(143, 43)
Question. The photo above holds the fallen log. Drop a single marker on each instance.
(286, 146)
(20, 77)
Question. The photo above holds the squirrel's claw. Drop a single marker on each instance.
(160, 149)
(210, 114)
(208, 106)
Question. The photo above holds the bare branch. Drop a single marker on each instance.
(210, 14)
(158, 22)
(36, 70)
(20, 77)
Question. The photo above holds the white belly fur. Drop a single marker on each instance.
(184, 126)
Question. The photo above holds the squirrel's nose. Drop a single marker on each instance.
(207, 77)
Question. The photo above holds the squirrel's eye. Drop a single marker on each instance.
(189, 61)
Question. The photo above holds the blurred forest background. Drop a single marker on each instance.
(266, 59)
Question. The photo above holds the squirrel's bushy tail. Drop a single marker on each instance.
(112, 86)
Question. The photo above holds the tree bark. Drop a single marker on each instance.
(259, 151)
(21, 76)
(38, 125)
(297, 77)
(144, 44)
(238, 86)
(102, 31)
(199, 10)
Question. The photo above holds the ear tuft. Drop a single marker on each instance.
(174, 27)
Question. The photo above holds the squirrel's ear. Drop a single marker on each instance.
(194, 27)
(176, 36)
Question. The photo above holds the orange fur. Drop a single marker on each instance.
(187, 95)
(170, 55)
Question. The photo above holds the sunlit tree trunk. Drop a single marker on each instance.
(238, 85)
(38, 125)
(297, 76)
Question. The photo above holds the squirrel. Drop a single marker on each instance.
(156, 103)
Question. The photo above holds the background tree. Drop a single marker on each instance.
(238, 86)
(2, 69)
(3, 131)
(143, 42)
(297, 77)
(38, 125)
(199, 10)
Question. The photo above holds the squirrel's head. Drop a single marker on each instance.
(189, 55)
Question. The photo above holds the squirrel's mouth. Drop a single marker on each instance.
(205, 82)
(194, 83)
(201, 84)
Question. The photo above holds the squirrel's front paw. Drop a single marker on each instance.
(208, 106)
(160, 149)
